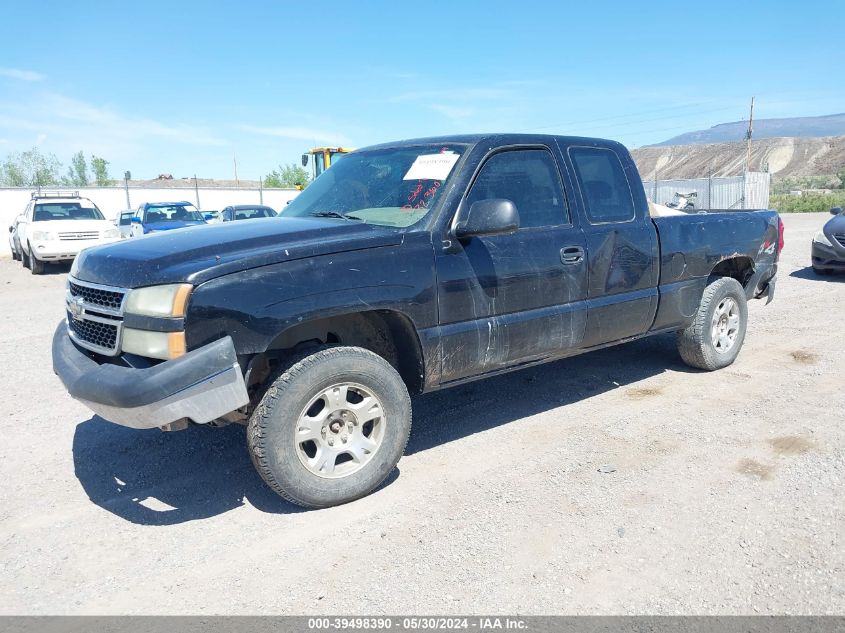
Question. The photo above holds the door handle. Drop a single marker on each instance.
(571, 255)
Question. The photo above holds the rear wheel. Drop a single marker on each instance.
(331, 426)
(717, 333)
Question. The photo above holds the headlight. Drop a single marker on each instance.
(164, 345)
(159, 301)
(42, 236)
(821, 238)
(111, 233)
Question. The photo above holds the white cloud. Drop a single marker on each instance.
(22, 75)
(298, 133)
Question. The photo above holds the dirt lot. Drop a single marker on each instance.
(727, 494)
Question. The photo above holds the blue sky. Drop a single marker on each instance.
(181, 87)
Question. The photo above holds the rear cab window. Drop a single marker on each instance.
(605, 190)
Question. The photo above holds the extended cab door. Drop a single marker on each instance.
(509, 299)
(622, 244)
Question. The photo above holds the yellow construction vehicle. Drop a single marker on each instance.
(321, 158)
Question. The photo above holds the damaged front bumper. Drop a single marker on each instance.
(201, 386)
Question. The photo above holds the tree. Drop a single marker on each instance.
(287, 177)
(77, 173)
(100, 167)
(30, 169)
(11, 174)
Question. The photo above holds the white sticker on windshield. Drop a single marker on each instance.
(432, 166)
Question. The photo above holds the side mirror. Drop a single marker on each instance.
(11, 229)
(135, 219)
(305, 160)
(836, 210)
(496, 216)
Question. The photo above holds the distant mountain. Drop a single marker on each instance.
(800, 127)
(783, 157)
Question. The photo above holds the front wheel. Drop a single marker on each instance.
(716, 335)
(331, 426)
(36, 266)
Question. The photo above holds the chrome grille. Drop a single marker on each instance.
(97, 295)
(79, 235)
(839, 237)
(95, 315)
(97, 334)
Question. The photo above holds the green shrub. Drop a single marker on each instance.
(808, 203)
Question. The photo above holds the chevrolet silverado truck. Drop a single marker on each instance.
(406, 268)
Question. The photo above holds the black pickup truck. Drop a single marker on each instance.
(405, 268)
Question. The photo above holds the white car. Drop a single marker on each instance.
(55, 227)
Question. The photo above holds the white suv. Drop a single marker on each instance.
(56, 226)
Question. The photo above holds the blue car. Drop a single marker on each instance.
(163, 216)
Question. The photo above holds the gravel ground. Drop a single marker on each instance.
(725, 496)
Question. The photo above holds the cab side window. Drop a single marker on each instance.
(527, 177)
(604, 187)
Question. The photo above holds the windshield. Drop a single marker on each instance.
(65, 211)
(173, 213)
(388, 187)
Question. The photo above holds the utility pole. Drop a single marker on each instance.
(197, 191)
(126, 177)
(261, 190)
(748, 137)
(235, 160)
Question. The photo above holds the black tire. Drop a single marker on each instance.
(271, 430)
(36, 266)
(24, 259)
(822, 271)
(695, 344)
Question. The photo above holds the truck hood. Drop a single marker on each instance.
(200, 253)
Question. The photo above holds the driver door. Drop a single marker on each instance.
(506, 300)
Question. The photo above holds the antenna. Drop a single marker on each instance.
(748, 137)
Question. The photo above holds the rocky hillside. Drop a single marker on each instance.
(786, 157)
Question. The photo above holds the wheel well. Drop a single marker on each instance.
(389, 334)
(740, 268)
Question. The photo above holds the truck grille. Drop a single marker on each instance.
(79, 235)
(101, 336)
(95, 315)
(839, 237)
(97, 296)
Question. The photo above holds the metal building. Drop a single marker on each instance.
(748, 191)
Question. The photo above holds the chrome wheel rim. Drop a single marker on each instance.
(725, 325)
(340, 430)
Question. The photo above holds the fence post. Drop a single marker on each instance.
(710, 190)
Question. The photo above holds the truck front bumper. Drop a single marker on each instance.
(202, 385)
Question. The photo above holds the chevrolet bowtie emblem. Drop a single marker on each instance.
(75, 306)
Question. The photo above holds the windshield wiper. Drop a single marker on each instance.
(335, 214)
